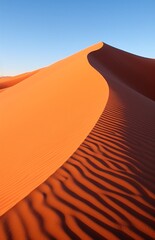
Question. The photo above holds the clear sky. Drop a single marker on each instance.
(36, 33)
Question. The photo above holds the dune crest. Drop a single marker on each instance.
(45, 117)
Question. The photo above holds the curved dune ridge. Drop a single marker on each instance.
(105, 190)
(46, 115)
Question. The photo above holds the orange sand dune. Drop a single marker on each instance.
(105, 190)
(44, 120)
(6, 82)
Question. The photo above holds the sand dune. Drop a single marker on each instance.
(45, 117)
(105, 190)
(6, 82)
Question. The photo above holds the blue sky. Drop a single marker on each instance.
(36, 33)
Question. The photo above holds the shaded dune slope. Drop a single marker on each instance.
(137, 72)
(105, 190)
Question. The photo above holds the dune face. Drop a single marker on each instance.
(105, 190)
(45, 117)
(134, 71)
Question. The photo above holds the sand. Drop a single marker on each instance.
(6, 82)
(105, 190)
(45, 117)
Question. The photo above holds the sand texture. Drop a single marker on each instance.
(106, 188)
(45, 117)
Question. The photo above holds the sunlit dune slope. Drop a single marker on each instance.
(105, 190)
(44, 119)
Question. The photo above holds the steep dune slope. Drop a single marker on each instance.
(137, 72)
(45, 118)
(105, 190)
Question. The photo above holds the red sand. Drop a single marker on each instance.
(105, 190)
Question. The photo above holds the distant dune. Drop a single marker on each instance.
(78, 149)
(11, 81)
